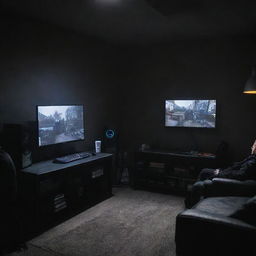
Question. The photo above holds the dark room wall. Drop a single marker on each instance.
(203, 69)
(43, 64)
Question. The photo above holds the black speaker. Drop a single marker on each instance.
(222, 154)
(110, 140)
(17, 141)
(111, 145)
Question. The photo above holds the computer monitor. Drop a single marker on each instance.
(60, 124)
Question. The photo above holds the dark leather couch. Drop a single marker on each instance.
(211, 226)
(9, 221)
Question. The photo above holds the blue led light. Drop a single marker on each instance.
(110, 134)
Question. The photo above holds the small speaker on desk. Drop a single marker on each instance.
(17, 141)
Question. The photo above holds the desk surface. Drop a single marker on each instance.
(181, 154)
(49, 166)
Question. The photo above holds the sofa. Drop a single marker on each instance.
(223, 222)
(10, 223)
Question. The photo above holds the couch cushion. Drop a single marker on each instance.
(251, 203)
(224, 206)
(247, 211)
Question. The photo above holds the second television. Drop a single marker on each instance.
(60, 123)
(190, 113)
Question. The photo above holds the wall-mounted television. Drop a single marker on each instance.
(190, 113)
(60, 123)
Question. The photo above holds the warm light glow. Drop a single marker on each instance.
(250, 92)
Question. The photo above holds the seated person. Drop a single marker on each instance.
(243, 170)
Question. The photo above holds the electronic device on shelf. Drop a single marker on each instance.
(190, 113)
(72, 157)
(195, 153)
(186, 153)
(60, 123)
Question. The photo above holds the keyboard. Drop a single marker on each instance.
(71, 158)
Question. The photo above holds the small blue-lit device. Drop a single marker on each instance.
(110, 134)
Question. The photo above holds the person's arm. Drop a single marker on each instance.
(238, 165)
(246, 171)
(233, 174)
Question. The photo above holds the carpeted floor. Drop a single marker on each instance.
(131, 223)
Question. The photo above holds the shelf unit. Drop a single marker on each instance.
(53, 192)
(169, 171)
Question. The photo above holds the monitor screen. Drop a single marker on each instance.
(58, 124)
(190, 113)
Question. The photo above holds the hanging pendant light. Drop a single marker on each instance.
(250, 86)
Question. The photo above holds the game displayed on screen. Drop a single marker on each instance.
(190, 113)
(58, 124)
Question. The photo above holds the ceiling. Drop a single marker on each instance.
(144, 21)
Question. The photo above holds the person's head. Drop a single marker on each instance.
(254, 148)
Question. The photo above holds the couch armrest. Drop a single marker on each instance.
(229, 187)
(201, 233)
(210, 218)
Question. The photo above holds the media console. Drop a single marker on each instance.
(169, 171)
(53, 192)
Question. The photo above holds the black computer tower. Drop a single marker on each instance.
(18, 142)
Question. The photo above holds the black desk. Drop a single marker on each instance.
(172, 171)
(53, 192)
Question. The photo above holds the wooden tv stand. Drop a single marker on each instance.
(53, 192)
(169, 171)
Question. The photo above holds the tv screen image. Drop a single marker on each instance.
(190, 113)
(58, 124)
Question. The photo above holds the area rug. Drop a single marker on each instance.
(131, 223)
